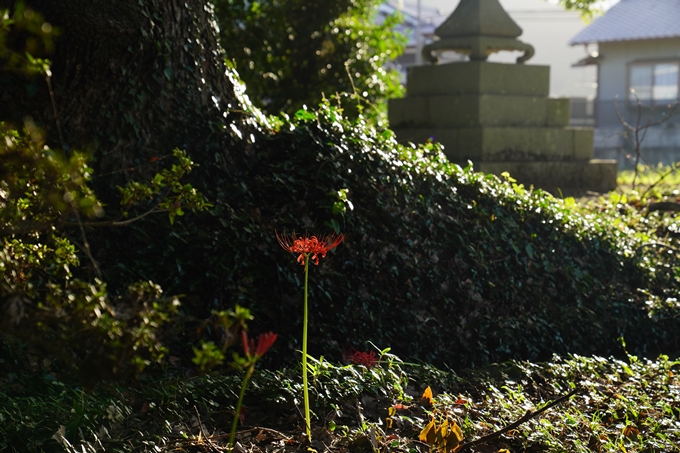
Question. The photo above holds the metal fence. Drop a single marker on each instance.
(658, 144)
(610, 113)
(582, 112)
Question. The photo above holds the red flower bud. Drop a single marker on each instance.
(264, 342)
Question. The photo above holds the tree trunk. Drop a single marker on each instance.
(131, 78)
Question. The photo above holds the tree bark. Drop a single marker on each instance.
(132, 79)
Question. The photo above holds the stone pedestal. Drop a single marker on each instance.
(499, 117)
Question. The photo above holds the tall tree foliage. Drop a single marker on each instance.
(588, 9)
(291, 53)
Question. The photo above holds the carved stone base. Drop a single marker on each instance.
(499, 117)
(566, 178)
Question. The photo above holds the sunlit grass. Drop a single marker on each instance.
(629, 405)
(650, 182)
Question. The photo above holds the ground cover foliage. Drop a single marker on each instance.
(413, 208)
(441, 263)
(445, 265)
(630, 405)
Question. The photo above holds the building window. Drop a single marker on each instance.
(653, 81)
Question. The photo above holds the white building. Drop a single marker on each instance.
(636, 50)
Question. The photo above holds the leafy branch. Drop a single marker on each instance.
(42, 189)
(165, 191)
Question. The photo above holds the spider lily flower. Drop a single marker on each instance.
(367, 359)
(264, 342)
(310, 246)
(307, 247)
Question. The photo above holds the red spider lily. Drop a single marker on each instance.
(367, 359)
(310, 245)
(264, 342)
(253, 354)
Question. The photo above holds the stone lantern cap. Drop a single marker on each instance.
(478, 28)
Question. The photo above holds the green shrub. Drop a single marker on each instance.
(45, 205)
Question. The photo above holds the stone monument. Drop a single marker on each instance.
(497, 115)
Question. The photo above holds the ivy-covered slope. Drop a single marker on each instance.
(440, 263)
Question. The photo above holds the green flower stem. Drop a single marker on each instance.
(304, 355)
(246, 378)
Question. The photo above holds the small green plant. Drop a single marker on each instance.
(230, 322)
(210, 355)
(308, 248)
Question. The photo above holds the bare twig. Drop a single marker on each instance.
(354, 89)
(673, 168)
(257, 428)
(664, 206)
(119, 222)
(657, 244)
(528, 416)
(418, 442)
(640, 131)
(86, 245)
(203, 434)
(48, 78)
(28, 226)
(114, 223)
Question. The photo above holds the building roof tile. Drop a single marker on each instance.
(634, 20)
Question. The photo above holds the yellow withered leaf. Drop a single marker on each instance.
(428, 433)
(455, 429)
(452, 436)
(443, 438)
(427, 395)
